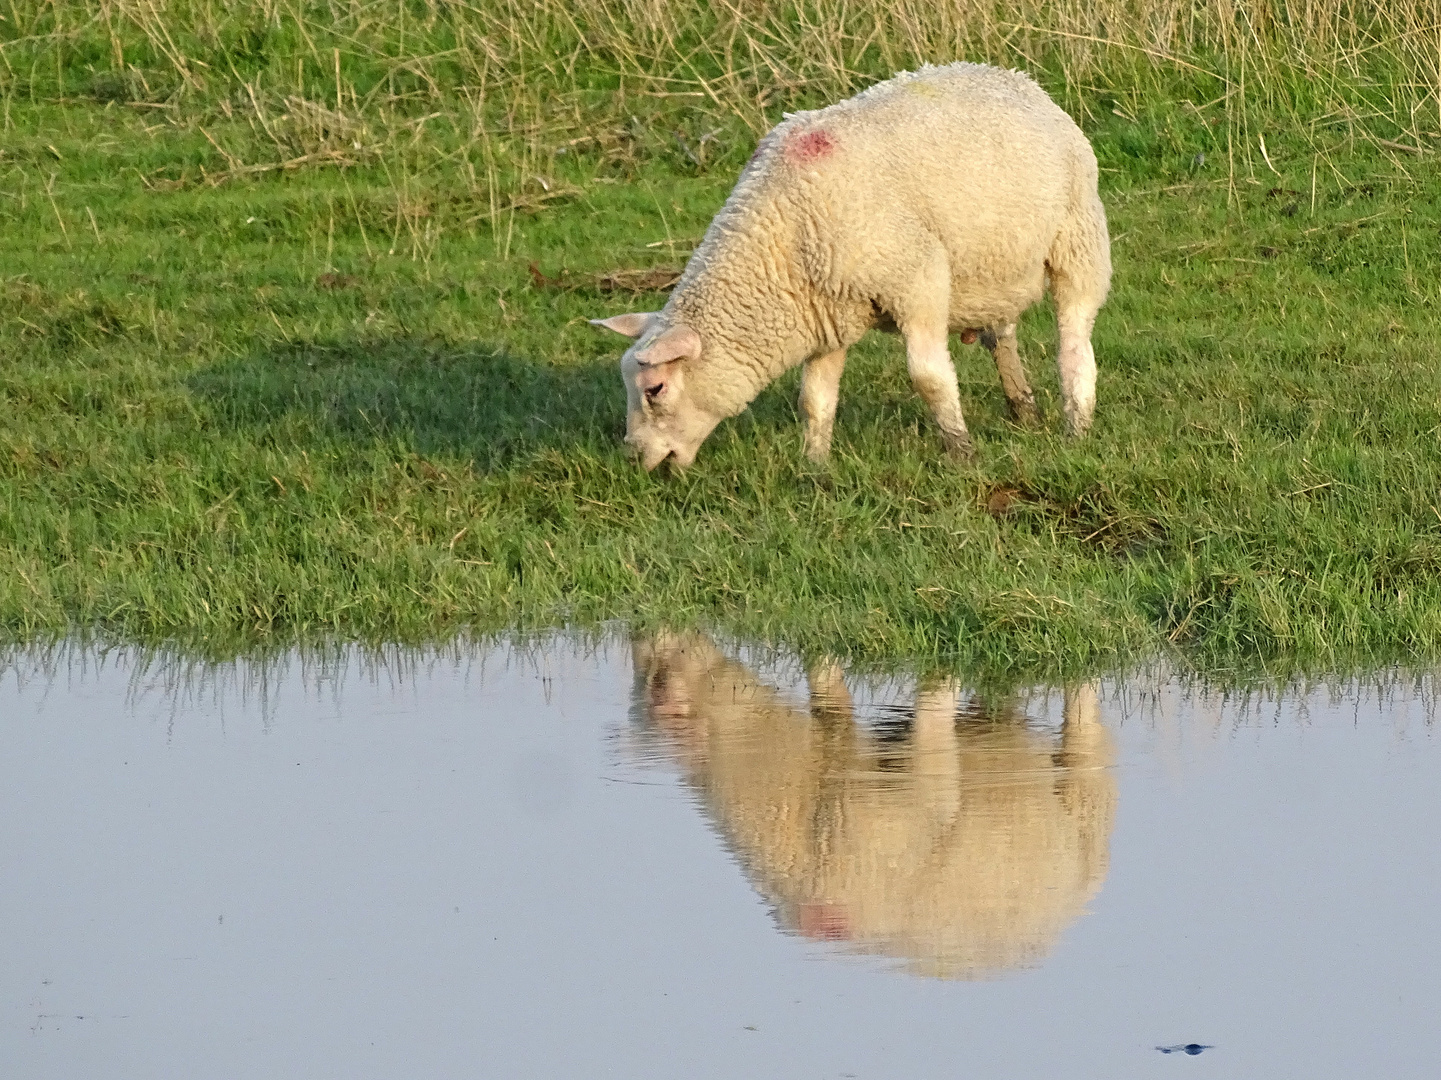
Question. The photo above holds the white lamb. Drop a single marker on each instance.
(938, 200)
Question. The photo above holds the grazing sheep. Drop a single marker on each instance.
(936, 201)
(963, 844)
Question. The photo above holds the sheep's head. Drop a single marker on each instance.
(662, 418)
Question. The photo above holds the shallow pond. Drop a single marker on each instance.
(663, 859)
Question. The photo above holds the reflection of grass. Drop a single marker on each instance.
(333, 398)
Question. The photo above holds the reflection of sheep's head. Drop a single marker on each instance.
(962, 841)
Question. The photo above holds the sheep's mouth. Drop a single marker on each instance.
(653, 448)
(650, 456)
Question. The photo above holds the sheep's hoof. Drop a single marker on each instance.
(820, 479)
(1025, 413)
(959, 448)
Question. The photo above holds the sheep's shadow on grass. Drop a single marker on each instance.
(468, 400)
(493, 408)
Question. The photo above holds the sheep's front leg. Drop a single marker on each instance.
(934, 377)
(820, 391)
(922, 313)
(922, 316)
(1002, 343)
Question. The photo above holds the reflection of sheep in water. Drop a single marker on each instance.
(966, 846)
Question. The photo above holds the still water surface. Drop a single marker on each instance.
(663, 859)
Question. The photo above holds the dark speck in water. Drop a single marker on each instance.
(1184, 1048)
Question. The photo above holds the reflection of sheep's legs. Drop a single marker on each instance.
(1081, 708)
(834, 731)
(820, 390)
(936, 758)
(1085, 748)
(935, 726)
(829, 697)
(1002, 343)
(922, 318)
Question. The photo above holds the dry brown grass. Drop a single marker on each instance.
(503, 94)
(512, 64)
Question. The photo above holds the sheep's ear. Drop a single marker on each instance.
(632, 325)
(678, 343)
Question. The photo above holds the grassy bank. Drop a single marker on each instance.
(293, 341)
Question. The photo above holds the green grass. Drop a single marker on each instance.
(256, 407)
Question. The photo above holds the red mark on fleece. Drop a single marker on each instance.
(824, 922)
(808, 146)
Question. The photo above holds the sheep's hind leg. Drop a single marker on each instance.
(1080, 270)
(820, 391)
(1002, 343)
(1077, 361)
